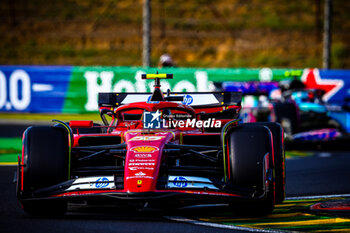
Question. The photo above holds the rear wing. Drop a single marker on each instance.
(193, 99)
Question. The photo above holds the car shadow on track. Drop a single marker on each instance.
(133, 213)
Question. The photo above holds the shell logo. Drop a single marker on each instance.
(144, 149)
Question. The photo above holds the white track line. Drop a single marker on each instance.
(217, 225)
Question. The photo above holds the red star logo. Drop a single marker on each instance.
(312, 79)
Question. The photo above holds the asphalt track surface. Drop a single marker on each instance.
(320, 174)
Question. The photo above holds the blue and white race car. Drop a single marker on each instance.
(307, 119)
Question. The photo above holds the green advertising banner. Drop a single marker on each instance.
(87, 82)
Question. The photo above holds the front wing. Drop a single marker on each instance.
(199, 190)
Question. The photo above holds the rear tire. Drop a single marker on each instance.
(248, 145)
(45, 159)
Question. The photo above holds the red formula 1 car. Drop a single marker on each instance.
(173, 150)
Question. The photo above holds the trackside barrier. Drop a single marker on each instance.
(67, 89)
(33, 88)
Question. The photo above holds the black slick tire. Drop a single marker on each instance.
(279, 159)
(46, 163)
(248, 146)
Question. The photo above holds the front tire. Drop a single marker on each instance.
(248, 146)
(279, 159)
(45, 158)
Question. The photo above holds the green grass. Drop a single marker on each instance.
(10, 149)
(9, 158)
(11, 145)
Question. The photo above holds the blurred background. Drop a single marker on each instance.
(196, 33)
(290, 59)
